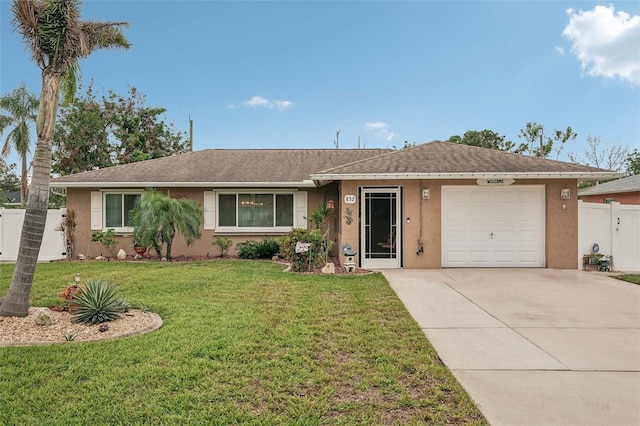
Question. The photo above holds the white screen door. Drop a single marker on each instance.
(380, 241)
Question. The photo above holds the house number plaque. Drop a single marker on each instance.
(349, 199)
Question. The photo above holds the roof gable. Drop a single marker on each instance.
(445, 159)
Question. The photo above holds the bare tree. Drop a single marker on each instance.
(607, 156)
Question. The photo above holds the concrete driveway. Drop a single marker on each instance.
(533, 346)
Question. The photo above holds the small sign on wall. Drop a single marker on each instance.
(349, 199)
(495, 181)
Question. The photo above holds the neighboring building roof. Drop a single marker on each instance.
(221, 167)
(628, 184)
(12, 197)
(441, 160)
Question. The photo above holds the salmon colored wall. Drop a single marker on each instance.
(425, 227)
(79, 199)
(622, 198)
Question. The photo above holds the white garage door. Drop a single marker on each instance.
(486, 226)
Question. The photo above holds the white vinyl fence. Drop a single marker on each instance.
(615, 228)
(53, 247)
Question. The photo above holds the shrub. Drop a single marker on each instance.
(98, 302)
(107, 239)
(223, 244)
(265, 249)
(314, 258)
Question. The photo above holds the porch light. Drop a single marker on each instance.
(331, 204)
(565, 193)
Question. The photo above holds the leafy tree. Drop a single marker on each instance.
(139, 131)
(94, 134)
(21, 107)
(57, 39)
(632, 163)
(9, 181)
(81, 140)
(484, 139)
(537, 145)
(608, 156)
(158, 217)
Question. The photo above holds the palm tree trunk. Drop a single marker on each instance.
(24, 186)
(16, 303)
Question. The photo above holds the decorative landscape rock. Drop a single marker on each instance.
(329, 268)
(43, 316)
(101, 258)
(122, 255)
(81, 256)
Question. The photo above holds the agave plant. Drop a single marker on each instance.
(98, 302)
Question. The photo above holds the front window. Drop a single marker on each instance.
(117, 209)
(266, 211)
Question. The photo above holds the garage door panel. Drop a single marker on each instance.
(504, 236)
(493, 227)
(456, 236)
(479, 236)
(502, 256)
(528, 236)
(456, 257)
(529, 257)
(480, 256)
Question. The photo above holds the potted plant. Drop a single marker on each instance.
(139, 248)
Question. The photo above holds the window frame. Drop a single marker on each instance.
(255, 229)
(122, 193)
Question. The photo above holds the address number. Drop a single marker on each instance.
(349, 199)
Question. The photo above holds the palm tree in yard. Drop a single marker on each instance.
(21, 108)
(56, 39)
(158, 218)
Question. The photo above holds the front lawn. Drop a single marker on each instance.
(631, 278)
(242, 343)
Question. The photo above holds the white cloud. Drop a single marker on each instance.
(380, 129)
(259, 101)
(606, 42)
(559, 50)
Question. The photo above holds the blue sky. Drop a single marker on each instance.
(290, 74)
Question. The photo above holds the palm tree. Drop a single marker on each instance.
(21, 107)
(157, 218)
(57, 39)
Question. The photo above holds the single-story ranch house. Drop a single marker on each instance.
(434, 205)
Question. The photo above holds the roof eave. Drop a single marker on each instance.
(303, 184)
(524, 175)
(612, 191)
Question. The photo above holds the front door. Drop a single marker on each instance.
(381, 228)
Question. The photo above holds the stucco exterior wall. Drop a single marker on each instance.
(79, 199)
(422, 220)
(622, 198)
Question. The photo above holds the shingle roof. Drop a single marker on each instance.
(215, 166)
(255, 167)
(442, 158)
(628, 184)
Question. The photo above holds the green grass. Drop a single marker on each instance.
(631, 278)
(242, 343)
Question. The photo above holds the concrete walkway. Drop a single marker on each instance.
(533, 346)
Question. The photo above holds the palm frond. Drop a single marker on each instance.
(101, 35)
(25, 20)
(57, 38)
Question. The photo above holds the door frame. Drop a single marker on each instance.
(396, 262)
